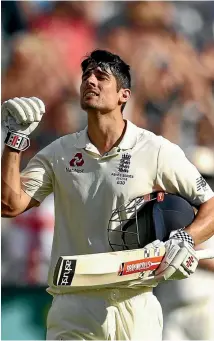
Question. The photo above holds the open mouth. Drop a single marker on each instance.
(90, 94)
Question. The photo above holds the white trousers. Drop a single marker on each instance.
(109, 314)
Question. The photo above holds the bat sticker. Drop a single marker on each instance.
(139, 265)
(67, 271)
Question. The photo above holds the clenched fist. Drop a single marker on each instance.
(22, 115)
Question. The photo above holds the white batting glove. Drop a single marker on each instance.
(154, 245)
(147, 278)
(21, 116)
(180, 260)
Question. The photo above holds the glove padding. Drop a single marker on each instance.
(179, 262)
(145, 279)
(22, 115)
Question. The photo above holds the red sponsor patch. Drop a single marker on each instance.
(160, 196)
(139, 265)
(77, 161)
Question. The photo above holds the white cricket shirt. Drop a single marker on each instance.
(88, 186)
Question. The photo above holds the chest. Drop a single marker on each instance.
(126, 174)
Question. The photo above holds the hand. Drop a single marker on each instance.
(147, 277)
(22, 115)
(179, 262)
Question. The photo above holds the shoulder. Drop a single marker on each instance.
(67, 140)
(146, 137)
(62, 143)
(157, 140)
(150, 141)
(170, 147)
(171, 154)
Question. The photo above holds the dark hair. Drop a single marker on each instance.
(118, 67)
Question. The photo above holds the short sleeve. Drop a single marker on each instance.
(37, 177)
(177, 175)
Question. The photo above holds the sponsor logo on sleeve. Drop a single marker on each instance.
(201, 184)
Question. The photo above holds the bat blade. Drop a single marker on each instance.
(107, 268)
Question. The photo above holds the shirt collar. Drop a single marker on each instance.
(128, 142)
(83, 139)
(129, 139)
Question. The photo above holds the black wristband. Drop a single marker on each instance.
(17, 141)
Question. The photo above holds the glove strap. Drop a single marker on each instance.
(17, 141)
(184, 236)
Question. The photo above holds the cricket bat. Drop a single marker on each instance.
(105, 269)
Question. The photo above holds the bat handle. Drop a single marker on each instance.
(205, 254)
(201, 254)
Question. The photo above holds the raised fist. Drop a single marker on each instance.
(22, 115)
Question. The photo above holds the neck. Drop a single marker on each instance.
(105, 131)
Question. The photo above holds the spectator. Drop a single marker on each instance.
(27, 246)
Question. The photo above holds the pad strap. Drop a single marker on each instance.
(17, 141)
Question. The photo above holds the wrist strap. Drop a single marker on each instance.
(184, 236)
(17, 141)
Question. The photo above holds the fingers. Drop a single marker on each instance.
(23, 110)
(169, 257)
(35, 108)
(166, 274)
(4, 112)
(14, 109)
(156, 243)
(180, 266)
(40, 104)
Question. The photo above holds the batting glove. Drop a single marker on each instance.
(180, 260)
(20, 117)
(147, 278)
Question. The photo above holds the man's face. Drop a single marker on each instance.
(99, 90)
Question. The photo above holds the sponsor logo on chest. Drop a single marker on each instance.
(122, 174)
(76, 164)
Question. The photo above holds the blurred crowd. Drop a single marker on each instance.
(170, 47)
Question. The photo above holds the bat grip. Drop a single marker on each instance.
(205, 254)
(201, 254)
